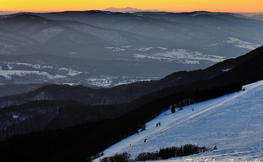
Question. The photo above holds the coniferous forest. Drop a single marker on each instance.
(78, 142)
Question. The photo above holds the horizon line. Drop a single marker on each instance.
(153, 10)
(138, 10)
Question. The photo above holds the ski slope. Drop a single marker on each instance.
(233, 122)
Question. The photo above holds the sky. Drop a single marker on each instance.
(162, 5)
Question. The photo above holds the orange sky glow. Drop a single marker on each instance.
(162, 5)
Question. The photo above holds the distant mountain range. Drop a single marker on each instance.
(258, 17)
(128, 9)
(106, 49)
(6, 12)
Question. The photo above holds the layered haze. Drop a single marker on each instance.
(105, 49)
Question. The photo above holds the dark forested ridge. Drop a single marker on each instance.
(76, 143)
(81, 141)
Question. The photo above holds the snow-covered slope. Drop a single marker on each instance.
(232, 122)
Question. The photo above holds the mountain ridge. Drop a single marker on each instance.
(84, 140)
(65, 120)
(171, 80)
(123, 99)
(208, 123)
(136, 40)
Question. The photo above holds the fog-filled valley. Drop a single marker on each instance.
(106, 49)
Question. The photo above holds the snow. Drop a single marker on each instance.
(181, 55)
(191, 62)
(144, 49)
(15, 116)
(8, 73)
(73, 72)
(242, 44)
(70, 84)
(109, 81)
(10, 67)
(196, 14)
(163, 48)
(102, 82)
(233, 122)
(70, 72)
(225, 70)
(35, 66)
(116, 49)
(129, 81)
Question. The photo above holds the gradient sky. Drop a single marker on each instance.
(162, 5)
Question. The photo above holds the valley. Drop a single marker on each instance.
(76, 84)
(107, 49)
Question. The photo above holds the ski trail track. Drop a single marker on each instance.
(233, 122)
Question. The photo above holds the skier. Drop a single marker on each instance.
(215, 147)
